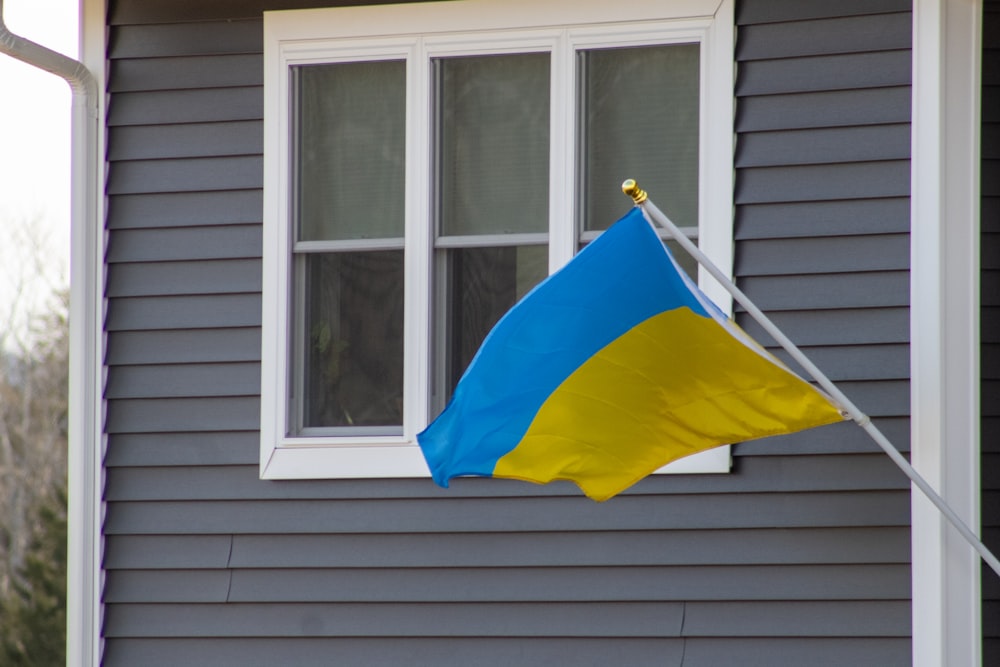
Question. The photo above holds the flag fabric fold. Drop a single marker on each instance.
(609, 369)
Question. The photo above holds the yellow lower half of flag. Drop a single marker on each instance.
(676, 384)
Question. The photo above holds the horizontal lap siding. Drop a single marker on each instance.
(822, 220)
(822, 194)
(990, 325)
(799, 556)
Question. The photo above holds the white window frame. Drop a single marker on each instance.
(418, 31)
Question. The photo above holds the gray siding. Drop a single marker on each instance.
(990, 324)
(799, 556)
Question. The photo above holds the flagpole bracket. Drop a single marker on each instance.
(632, 189)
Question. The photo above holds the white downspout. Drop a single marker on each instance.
(83, 585)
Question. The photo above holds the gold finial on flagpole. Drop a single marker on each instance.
(632, 189)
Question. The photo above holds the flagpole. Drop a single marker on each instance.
(641, 199)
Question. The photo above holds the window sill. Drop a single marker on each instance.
(403, 459)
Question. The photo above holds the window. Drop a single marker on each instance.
(426, 165)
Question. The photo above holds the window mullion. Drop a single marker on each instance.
(419, 244)
(562, 156)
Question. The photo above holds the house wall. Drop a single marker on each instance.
(990, 324)
(799, 556)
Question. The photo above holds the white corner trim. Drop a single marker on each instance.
(944, 326)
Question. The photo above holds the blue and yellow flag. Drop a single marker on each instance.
(609, 369)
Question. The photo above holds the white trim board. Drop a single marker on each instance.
(944, 326)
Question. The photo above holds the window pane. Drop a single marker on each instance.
(483, 284)
(352, 339)
(351, 144)
(493, 129)
(640, 119)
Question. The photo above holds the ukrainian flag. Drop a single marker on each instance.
(609, 369)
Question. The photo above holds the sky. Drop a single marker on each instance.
(34, 159)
